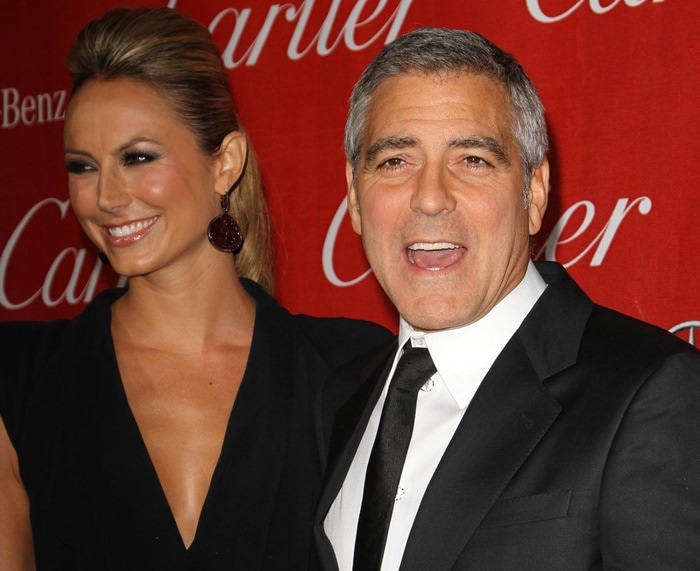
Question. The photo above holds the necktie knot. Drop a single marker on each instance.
(414, 368)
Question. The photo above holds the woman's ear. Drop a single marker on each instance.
(230, 161)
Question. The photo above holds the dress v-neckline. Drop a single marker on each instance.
(118, 475)
(149, 470)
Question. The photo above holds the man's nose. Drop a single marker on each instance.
(432, 194)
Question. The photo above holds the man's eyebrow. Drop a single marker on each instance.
(486, 143)
(388, 143)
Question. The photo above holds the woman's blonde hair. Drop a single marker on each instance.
(176, 56)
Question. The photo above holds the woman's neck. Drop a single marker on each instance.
(190, 313)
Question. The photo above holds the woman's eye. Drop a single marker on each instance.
(137, 158)
(78, 167)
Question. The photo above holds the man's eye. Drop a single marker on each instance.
(476, 165)
(137, 158)
(78, 167)
(391, 163)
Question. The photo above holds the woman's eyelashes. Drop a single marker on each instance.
(127, 159)
(132, 158)
(78, 166)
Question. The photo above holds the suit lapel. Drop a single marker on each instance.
(343, 431)
(504, 422)
(345, 411)
(510, 413)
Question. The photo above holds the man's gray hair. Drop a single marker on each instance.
(434, 51)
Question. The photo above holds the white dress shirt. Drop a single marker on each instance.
(462, 357)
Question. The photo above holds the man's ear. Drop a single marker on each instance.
(353, 204)
(539, 194)
(230, 161)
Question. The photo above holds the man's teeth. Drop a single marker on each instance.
(429, 247)
(120, 231)
(433, 246)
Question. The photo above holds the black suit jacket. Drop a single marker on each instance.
(579, 450)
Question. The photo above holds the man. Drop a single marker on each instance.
(554, 433)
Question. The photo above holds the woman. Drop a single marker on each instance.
(169, 425)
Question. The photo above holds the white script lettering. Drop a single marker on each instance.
(70, 293)
(388, 28)
(31, 109)
(535, 8)
(329, 248)
(604, 237)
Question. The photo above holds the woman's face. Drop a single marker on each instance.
(140, 186)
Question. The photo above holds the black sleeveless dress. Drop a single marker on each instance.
(96, 502)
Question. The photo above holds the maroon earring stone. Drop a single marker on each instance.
(223, 231)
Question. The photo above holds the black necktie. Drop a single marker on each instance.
(414, 368)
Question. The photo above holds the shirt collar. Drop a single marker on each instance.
(464, 355)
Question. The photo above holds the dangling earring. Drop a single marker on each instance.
(223, 231)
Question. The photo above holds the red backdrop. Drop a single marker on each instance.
(619, 78)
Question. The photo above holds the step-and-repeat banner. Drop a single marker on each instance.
(619, 78)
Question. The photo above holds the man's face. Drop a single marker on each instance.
(438, 197)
